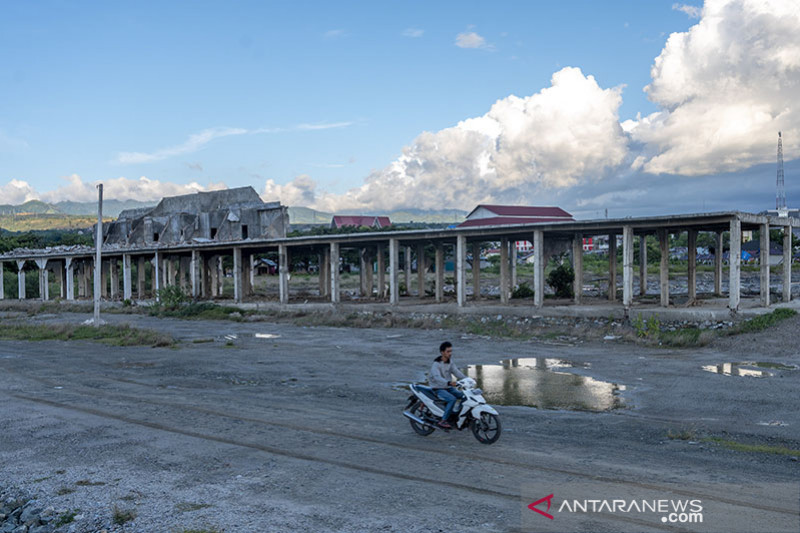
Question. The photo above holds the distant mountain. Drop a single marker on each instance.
(111, 208)
(29, 207)
(305, 215)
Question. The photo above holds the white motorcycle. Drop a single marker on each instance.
(424, 410)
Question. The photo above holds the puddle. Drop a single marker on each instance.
(266, 336)
(748, 369)
(537, 382)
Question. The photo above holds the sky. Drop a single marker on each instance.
(627, 106)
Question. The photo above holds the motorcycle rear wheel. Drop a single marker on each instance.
(420, 411)
(487, 430)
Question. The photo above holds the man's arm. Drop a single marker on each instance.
(456, 372)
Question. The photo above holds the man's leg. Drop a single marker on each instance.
(446, 396)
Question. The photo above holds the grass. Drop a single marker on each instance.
(186, 507)
(63, 491)
(762, 322)
(752, 448)
(66, 518)
(114, 335)
(122, 516)
(199, 311)
(88, 483)
(682, 434)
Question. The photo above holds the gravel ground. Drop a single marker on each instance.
(302, 430)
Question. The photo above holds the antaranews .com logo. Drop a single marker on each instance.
(671, 511)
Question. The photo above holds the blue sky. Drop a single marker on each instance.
(307, 100)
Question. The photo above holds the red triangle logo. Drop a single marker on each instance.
(532, 506)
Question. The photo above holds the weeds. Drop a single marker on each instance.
(63, 491)
(66, 518)
(88, 483)
(186, 507)
(122, 335)
(682, 434)
(752, 448)
(523, 290)
(762, 322)
(650, 328)
(122, 516)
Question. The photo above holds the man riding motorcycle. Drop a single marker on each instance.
(442, 371)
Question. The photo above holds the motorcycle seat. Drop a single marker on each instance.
(427, 391)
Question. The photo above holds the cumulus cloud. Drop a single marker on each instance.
(693, 11)
(725, 88)
(567, 132)
(470, 39)
(74, 188)
(413, 32)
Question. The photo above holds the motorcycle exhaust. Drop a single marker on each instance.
(415, 419)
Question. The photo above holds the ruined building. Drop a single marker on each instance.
(214, 216)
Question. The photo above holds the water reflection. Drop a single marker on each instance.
(535, 382)
(747, 369)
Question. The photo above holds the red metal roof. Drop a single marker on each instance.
(523, 211)
(499, 221)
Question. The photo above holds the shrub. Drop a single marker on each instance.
(523, 290)
(561, 278)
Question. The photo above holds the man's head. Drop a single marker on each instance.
(446, 351)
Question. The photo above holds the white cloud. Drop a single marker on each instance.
(692, 11)
(412, 32)
(470, 39)
(333, 34)
(17, 192)
(192, 144)
(725, 88)
(564, 134)
(323, 126)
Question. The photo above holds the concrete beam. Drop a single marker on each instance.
(763, 263)
(439, 272)
(538, 268)
(642, 265)
(476, 271)
(718, 266)
(627, 266)
(461, 270)
(691, 272)
(504, 274)
(283, 273)
(394, 260)
(787, 264)
(336, 289)
(735, 264)
(663, 241)
(612, 267)
(127, 290)
(237, 274)
(577, 267)
(21, 279)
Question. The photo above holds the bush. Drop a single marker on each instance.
(523, 290)
(561, 279)
(171, 297)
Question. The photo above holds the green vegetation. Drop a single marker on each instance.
(651, 328)
(122, 516)
(122, 335)
(66, 518)
(522, 290)
(63, 491)
(89, 483)
(682, 434)
(762, 322)
(186, 507)
(752, 448)
(561, 278)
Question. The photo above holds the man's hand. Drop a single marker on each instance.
(453, 384)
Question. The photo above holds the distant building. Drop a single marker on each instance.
(224, 215)
(341, 221)
(496, 215)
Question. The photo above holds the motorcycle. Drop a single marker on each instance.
(424, 411)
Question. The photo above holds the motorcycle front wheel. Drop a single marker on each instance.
(487, 430)
(420, 411)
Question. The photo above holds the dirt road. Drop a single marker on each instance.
(272, 427)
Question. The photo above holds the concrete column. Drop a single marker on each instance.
(381, 271)
(663, 241)
(251, 274)
(627, 266)
(735, 264)
(321, 273)
(2, 284)
(205, 276)
(213, 272)
(718, 266)
(513, 265)
(642, 265)
(787, 265)
(156, 274)
(220, 276)
(476, 271)
(504, 274)
(407, 268)
(21, 279)
(394, 260)
(440, 271)
(104, 268)
(169, 271)
(127, 291)
(577, 267)
(538, 268)
(461, 270)
(612, 267)
(184, 266)
(194, 273)
(692, 270)
(362, 272)
(283, 273)
(82, 280)
(237, 274)
(335, 285)
(88, 278)
(60, 272)
(69, 268)
(140, 277)
(763, 263)
(421, 270)
(113, 271)
(44, 289)
(369, 273)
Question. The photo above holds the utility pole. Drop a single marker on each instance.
(780, 196)
(98, 260)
